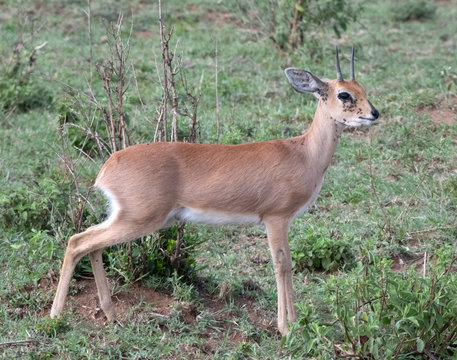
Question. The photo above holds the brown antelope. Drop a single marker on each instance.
(151, 186)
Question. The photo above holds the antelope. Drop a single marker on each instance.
(151, 186)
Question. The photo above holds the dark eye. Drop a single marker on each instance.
(344, 96)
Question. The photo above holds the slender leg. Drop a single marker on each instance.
(279, 247)
(66, 273)
(93, 240)
(102, 284)
(291, 311)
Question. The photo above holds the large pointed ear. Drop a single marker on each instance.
(303, 81)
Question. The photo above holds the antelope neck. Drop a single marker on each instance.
(322, 138)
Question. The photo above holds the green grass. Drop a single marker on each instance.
(407, 69)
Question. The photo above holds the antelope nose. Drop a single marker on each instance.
(375, 113)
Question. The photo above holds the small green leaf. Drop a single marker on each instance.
(413, 320)
(17, 246)
(420, 345)
(299, 7)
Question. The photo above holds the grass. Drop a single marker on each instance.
(228, 310)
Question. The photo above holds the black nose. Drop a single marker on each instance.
(375, 113)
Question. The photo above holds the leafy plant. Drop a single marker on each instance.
(20, 88)
(413, 10)
(449, 78)
(382, 314)
(291, 22)
(26, 209)
(153, 256)
(54, 327)
(317, 249)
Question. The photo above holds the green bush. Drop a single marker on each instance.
(377, 313)
(32, 257)
(413, 10)
(54, 327)
(20, 88)
(24, 209)
(317, 249)
(292, 23)
(78, 126)
(151, 258)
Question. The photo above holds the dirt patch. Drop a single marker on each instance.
(143, 34)
(401, 263)
(219, 18)
(442, 116)
(139, 304)
(86, 302)
(444, 112)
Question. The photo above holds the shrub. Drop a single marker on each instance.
(378, 313)
(153, 256)
(26, 210)
(413, 10)
(20, 88)
(54, 327)
(317, 249)
(291, 22)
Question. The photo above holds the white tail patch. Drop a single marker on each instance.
(113, 208)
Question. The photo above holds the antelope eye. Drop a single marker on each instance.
(344, 96)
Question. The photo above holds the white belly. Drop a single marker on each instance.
(209, 217)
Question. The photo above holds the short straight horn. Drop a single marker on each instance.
(352, 64)
(339, 75)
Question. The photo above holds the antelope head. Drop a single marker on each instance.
(343, 101)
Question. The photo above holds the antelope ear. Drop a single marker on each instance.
(303, 81)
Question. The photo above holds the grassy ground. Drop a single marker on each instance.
(388, 201)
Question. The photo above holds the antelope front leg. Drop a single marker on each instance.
(282, 262)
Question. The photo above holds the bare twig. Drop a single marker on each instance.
(162, 120)
(217, 99)
(88, 13)
(105, 72)
(18, 343)
(137, 88)
(113, 75)
(424, 266)
(192, 114)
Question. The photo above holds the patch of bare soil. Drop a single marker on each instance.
(88, 307)
(444, 112)
(421, 261)
(401, 263)
(219, 17)
(161, 306)
(143, 34)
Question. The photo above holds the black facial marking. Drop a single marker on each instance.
(350, 105)
(323, 93)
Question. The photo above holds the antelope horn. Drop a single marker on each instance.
(339, 75)
(352, 64)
